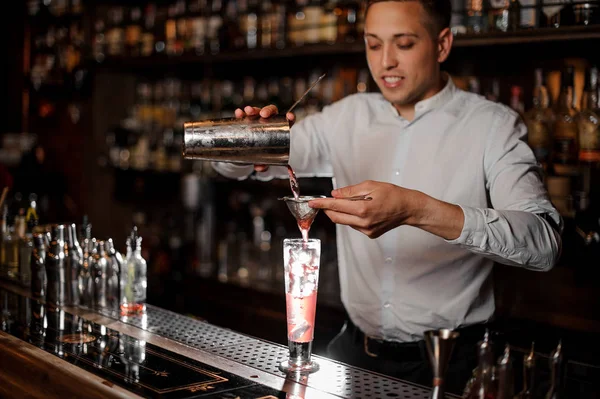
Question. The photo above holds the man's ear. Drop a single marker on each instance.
(445, 39)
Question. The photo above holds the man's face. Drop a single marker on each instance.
(402, 55)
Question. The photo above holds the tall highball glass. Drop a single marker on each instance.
(301, 267)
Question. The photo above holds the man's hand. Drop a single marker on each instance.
(265, 112)
(391, 206)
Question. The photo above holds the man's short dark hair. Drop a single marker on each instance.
(439, 12)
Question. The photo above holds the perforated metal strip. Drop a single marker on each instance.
(333, 377)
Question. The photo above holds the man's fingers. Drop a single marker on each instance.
(351, 191)
(251, 111)
(345, 219)
(268, 111)
(356, 208)
(239, 113)
(261, 168)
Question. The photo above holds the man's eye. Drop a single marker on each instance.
(374, 47)
(405, 46)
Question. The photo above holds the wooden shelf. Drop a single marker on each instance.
(565, 34)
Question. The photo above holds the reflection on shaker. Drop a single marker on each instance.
(247, 140)
(73, 267)
(99, 269)
(86, 271)
(115, 263)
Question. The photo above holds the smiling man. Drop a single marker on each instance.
(454, 187)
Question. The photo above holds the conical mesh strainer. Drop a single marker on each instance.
(299, 207)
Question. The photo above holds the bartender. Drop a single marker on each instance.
(454, 187)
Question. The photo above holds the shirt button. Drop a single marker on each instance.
(388, 260)
(386, 305)
(397, 172)
(469, 241)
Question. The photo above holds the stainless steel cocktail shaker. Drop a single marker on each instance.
(249, 140)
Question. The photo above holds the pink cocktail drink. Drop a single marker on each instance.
(301, 317)
(301, 263)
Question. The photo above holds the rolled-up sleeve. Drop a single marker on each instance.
(522, 227)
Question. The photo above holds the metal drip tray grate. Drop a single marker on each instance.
(334, 378)
(186, 330)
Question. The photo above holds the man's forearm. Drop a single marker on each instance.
(438, 217)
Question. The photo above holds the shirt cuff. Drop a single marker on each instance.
(473, 231)
(232, 170)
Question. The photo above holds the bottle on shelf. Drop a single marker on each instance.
(539, 120)
(588, 120)
(566, 135)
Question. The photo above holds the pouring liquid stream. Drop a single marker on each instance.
(303, 225)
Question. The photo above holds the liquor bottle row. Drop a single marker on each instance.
(151, 137)
(477, 16)
(209, 27)
(55, 8)
(563, 134)
(58, 52)
(50, 261)
(497, 378)
(566, 139)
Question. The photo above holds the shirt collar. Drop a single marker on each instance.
(436, 101)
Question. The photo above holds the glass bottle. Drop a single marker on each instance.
(133, 277)
(588, 120)
(85, 274)
(26, 243)
(505, 380)
(115, 34)
(498, 15)
(566, 137)
(4, 228)
(115, 265)
(99, 271)
(39, 281)
(481, 385)
(476, 21)
(74, 266)
(147, 35)
(555, 367)
(528, 375)
(15, 246)
(539, 120)
(55, 268)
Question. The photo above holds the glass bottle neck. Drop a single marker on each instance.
(565, 99)
(134, 251)
(541, 99)
(590, 100)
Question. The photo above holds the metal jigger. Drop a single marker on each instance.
(304, 214)
(440, 344)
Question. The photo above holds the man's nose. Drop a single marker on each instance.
(389, 58)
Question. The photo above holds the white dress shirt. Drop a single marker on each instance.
(459, 148)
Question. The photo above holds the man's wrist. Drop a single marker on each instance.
(418, 211)
(437, 217)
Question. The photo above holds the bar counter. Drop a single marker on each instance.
(76, 352)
